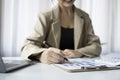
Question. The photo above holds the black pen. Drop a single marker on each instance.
(67, 61)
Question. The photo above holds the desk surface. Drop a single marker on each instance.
(49, 72)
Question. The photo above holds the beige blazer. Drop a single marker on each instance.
(48, 27)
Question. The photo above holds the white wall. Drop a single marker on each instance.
(18, 21)
(100, 15)
(116, 38)
(0, 21)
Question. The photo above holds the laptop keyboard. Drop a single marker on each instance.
(13, 63)
(9, 65)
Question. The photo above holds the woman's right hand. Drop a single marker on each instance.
(51, 56)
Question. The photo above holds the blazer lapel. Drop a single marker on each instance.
(78, 27)
(56, 32)
(56, 26)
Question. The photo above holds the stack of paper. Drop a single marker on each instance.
(109, 60)
(91, 64)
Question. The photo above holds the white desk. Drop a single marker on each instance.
(41, 71)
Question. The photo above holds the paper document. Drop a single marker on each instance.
(91, 64)
(79, 64)
(109, 60)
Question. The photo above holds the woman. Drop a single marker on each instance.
(68, 30)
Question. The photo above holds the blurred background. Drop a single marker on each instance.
(18, 17)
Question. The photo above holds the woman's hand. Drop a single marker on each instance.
(71, 53)
(51, 56)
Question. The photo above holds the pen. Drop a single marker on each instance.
(46, 45)
(67, 61)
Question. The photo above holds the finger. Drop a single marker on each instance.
(69, 55)
(46, 56)
(56, 58)
(49, 60)
(49, 57)
(67, 52)
(52, 62)
(57, 51)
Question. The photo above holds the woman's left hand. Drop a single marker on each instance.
(72, 53)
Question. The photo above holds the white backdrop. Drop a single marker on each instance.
(19, 18)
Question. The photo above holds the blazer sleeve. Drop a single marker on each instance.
(92, 46)
(32, 45)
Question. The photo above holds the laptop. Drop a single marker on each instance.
(10, 65)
